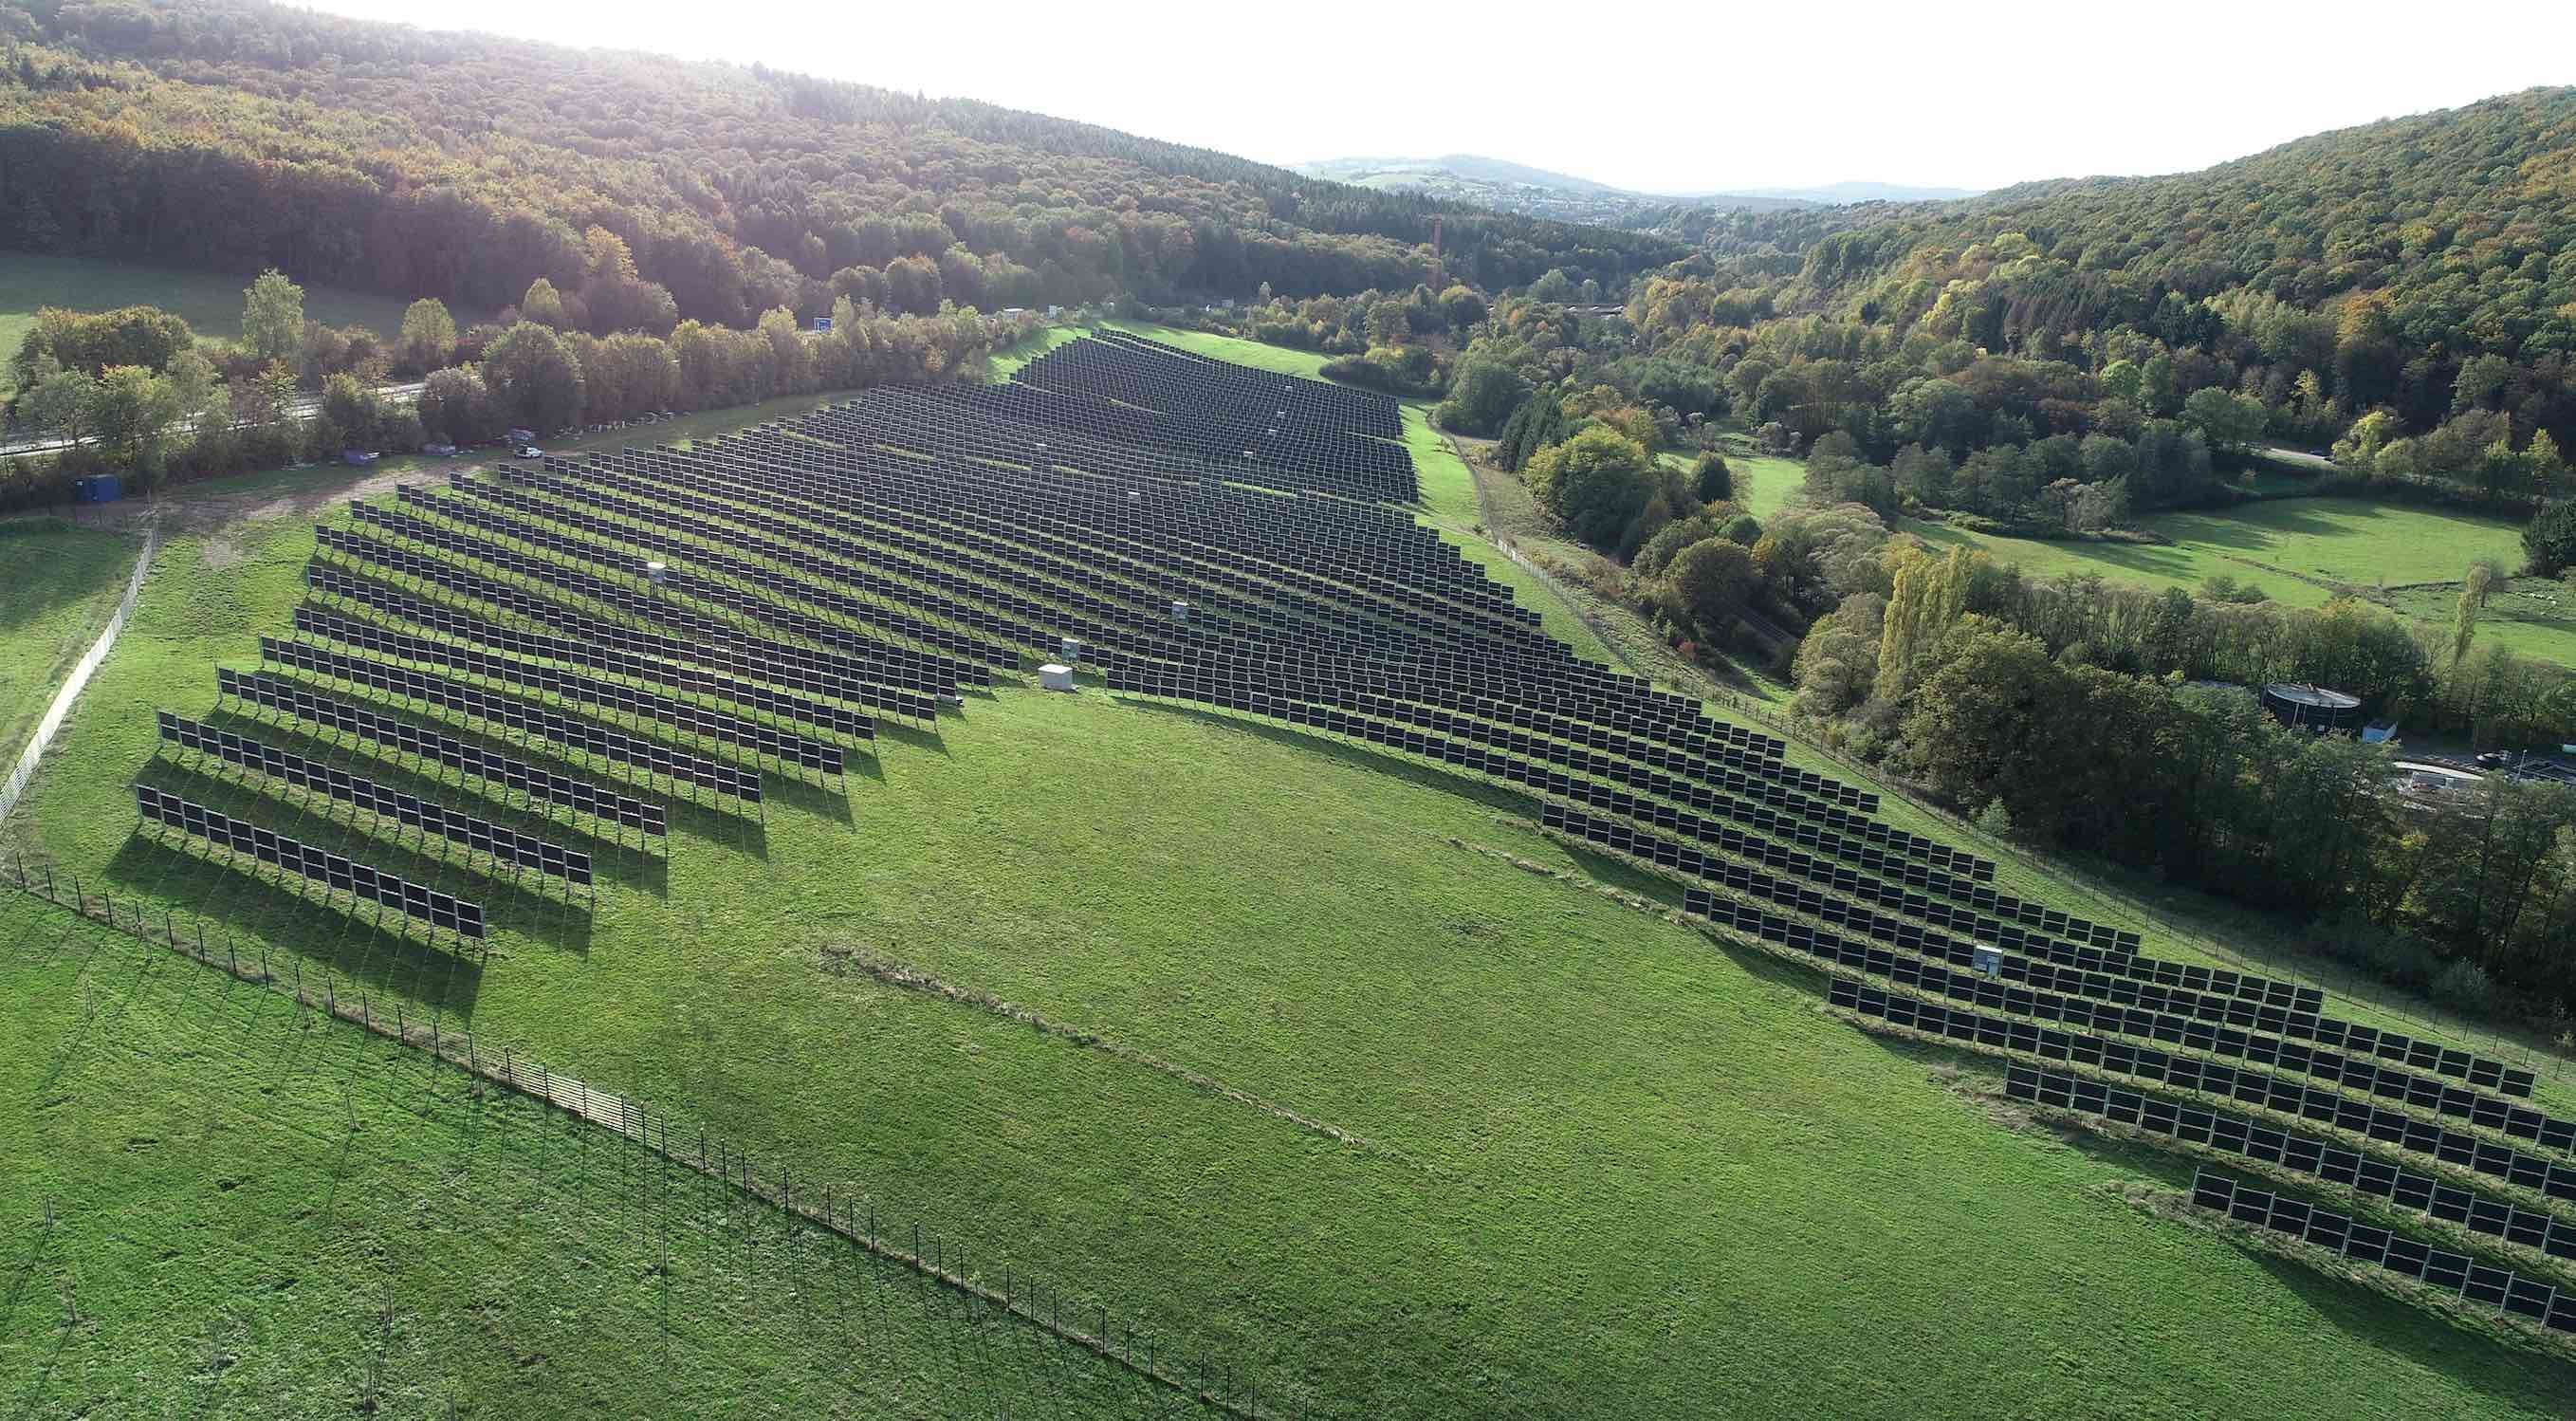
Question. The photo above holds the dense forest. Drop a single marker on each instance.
(238, 136)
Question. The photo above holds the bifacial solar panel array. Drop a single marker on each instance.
(1241, 424)
(440, 912)
(262, 693)
(499, 841)
(2346, 1237)
(2388, 1125)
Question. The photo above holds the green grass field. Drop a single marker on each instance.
(60, 585)
(211, 302)
(2300, 550)
(219, 1206)
(2291, 548)
(1583, 1162)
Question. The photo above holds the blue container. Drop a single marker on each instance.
(99, 488)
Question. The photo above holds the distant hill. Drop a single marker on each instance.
(1837, 193)
(2385, 259)
(1538, 192)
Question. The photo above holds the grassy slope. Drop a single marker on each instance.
(1608, 1169)
(210, 301)
(257, 1213)
(58, 585)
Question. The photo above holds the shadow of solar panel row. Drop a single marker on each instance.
(1263, 604)
(2351, 1239)
(1146, 366)
(2218, 1129)
(880, 440)
(645, 667)
(818, 507)
(459, 626)
(2307, 1154)
(871, 663)
(841, 566)
(683, 581)
(1103, 494)
(746, 604)
(2387, 1124)
(696, 541)
(1244, 449)
(615, 649)
(526, 718)
(582, 797)
(368, 884)
(2298, 1153)
(498, 841)
(676, 716)
(1143, 397)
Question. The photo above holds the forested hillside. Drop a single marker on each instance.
(2420, 266)
(237, 135)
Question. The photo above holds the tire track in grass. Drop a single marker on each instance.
(837, 956)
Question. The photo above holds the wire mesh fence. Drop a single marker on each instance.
(73, 684)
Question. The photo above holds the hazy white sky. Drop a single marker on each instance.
(1681, 96)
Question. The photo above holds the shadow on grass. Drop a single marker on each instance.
(245, 910)
(510, 898)
(2478, 1363)
(814, 797)
(1622, 874)
(696, 810)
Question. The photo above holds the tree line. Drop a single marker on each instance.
(138, 395)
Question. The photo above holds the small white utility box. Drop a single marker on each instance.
(1070, 649)
(1180, 611)
(1989, 960)
(1055, 678)
(656, 571)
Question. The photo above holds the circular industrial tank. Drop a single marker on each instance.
(2311, 707)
